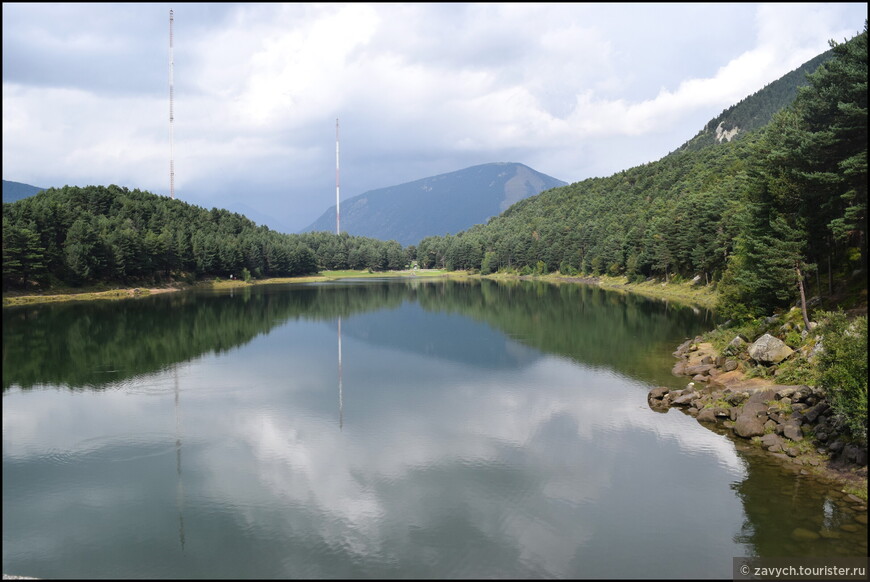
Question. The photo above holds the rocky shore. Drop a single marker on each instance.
(793, 422)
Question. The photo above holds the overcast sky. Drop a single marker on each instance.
(571, 90)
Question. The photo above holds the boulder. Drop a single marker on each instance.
(748, 426)
(683, 347)
(707, 415)
(658, 392)
(735, 398)
(697, 369)
(769, 350)
(736, 345)
(770, 440)
(792, 431)
(811, 414)
(685, 399)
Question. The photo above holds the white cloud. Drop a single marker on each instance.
(555, 86)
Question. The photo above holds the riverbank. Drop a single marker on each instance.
(100, 293)
(794, 423)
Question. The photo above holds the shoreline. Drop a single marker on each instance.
(89, 294)
(684, 293)
(792, 423)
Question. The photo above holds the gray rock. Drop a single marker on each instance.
(770, 440)
(736, 398)
(811, 414)
(769, 350)
(755, 409)
(748, 426)
(685, 399)
(785, 393)
(851, 452)
(707, 415)
(658, 392)
(792, 431)
(683, 347)
(698, 369)
(735, 346)
(730, 365)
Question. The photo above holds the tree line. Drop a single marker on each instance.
(86, 235)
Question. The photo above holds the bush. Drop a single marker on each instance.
(843, 368)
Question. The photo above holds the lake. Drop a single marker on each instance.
(402, 428)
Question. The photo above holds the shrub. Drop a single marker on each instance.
(843, 368)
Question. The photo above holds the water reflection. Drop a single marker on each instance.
(97, 344)
(340, 391)
(483, 439)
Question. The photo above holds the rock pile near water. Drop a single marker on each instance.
(790, 421)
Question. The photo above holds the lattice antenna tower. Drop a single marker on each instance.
(171, 113)
(337, 200)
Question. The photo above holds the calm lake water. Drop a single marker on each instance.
(378, 429)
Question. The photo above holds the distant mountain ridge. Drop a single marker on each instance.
(13, 191)
(435, 206)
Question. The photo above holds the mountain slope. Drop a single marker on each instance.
(757, 109)
(13, 191)
(447, 203)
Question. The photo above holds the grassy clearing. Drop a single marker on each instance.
(380, 274)
(684, 291)
(681, 292)
(78, 296)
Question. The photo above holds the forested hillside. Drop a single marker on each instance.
(784, 205)
(756, 110)
(77, 236)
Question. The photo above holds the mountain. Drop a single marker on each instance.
(447, 203)
(768, 216)
(756, 110)
(13, 191)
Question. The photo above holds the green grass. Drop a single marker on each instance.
(682, 292)
(380, 274)
(75, 296)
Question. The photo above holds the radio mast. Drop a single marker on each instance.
(171, 115)
(337, 200)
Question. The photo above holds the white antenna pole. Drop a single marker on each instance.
(171, 114)
(337, 200)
